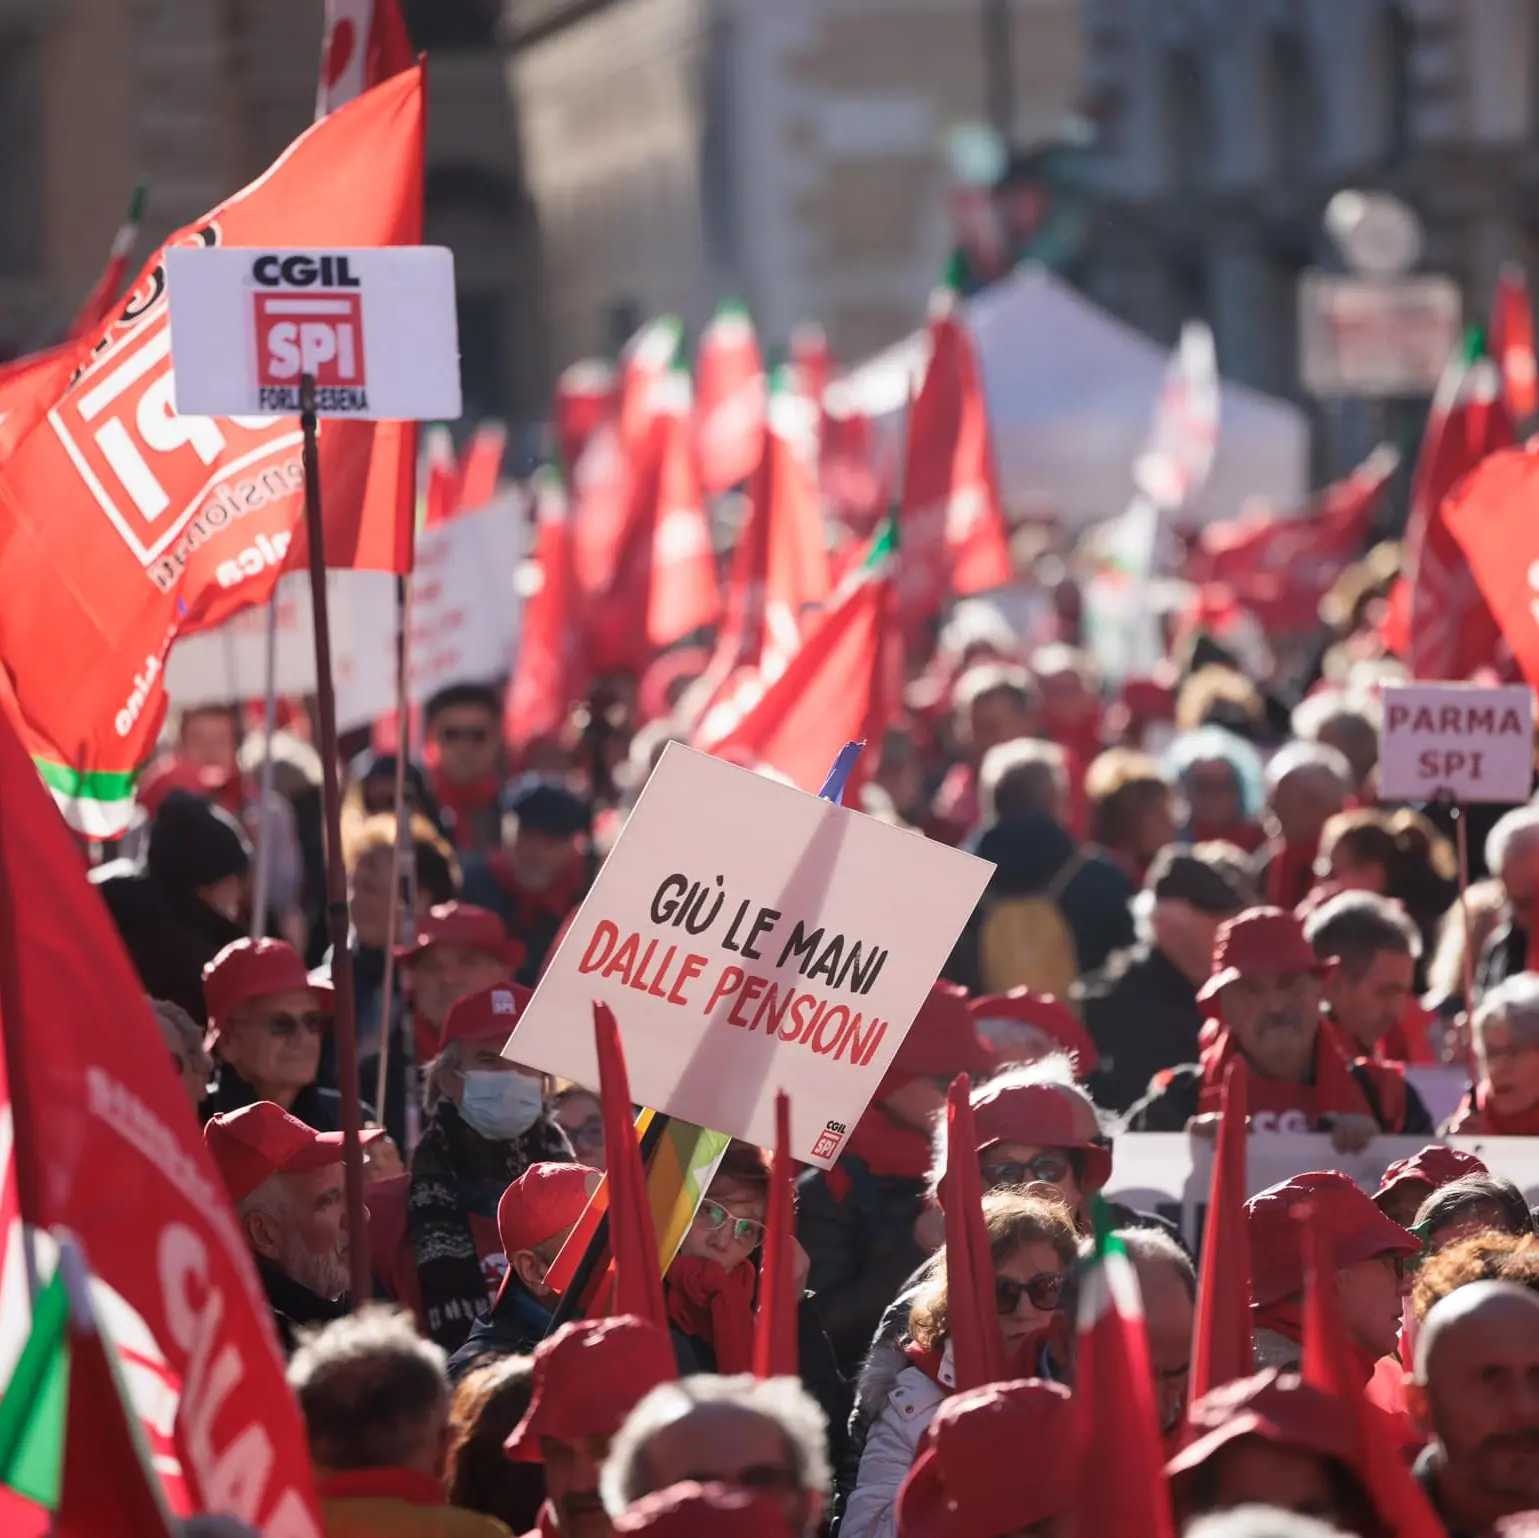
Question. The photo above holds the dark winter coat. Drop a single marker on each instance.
(295, 1308)
(514, 1325)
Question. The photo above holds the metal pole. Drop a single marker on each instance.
(1462, 845)
(264, 852)
(345, 1018)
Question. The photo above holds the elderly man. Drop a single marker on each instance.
(1375, 947)
(760, 1434)
(1265, 995)
(266, 1019)
(1476, 1392)
(286, 1182)
(376, 1407)
(1512, 855)
(184, 1041)
(588, 1377)
(1307, 783)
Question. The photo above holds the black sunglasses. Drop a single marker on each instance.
(1047, 1168)
(468, 734)
(1044, 1289)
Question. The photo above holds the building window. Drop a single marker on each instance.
(452, 23)
(1397, 42)
(1295, 108)
(21, 154)
(483, 377)
(1188, 119)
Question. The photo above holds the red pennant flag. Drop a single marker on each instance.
(1512, 342)
(841, 686)
(99, 302)
(812, 361)
(1451, 630)
(1223, 1347)
(775, 1328)
(1400, 1502)
(638, 1284)
(123, 525)
(978, 1347)
(586, 394)
(730, 410)
(106, 1147)
(365, 43)
(481, 466)
(954, 539)
(545, 676)
(441, 477)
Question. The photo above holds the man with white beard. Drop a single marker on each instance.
(286, 1182)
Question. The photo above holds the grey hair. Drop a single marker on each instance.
(447, 1061)
(272, 1199)
(1145, 1246)
(1297, 756)
(1037, 772)
(627, 1477)
(1260, 1522)
(1513, 1002)
(372, 1390)
(181, 1034)
(1519, 826)
(1355, 927)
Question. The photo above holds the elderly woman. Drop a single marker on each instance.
(1504, 1101)
(184, 1041)
(1220, 776)
(1512, 856)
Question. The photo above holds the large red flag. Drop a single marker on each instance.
(28, 387)
(585, 395)
(365, 42)
(775, 1326)
(729, 412)
(1512, 342)
(1223, 1347)
(978, 1346)
(842, 685)
(103, 1144)
(954, 539)
(123, 525)
(544, 677)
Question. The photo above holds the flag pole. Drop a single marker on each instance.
(1462, 846)
(264, 852)
(344, 1018)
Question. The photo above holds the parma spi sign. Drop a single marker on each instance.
(375, 329)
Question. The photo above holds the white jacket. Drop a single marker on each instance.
(891, 1448)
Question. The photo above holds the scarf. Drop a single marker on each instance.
(454, 1170)
(1332, 1090)
(393, 1484)
(528, 910)
(712, 1305)
(887, 1148)
(1286, 1318)
(1502, 1123)
(464, 803)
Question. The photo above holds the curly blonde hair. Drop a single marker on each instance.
(1486, 1257)
(1012, 1220)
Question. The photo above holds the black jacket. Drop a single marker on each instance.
(295, 1308)
(1028, 852)
(314, 1106)
(858, 1231)
(1142, 1012)
(514, 1325)
(1504, 955)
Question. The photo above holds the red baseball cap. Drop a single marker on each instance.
(1434, 1167)
(1356, 1229)
(1042, 1012)
(489, 1015)
(262, 1140)
(941, 1043)
(477, 929)
(588, 1377)
(1278, 1407)
(689, 1510)
(1260, 942)
(1042, 1116)
(997, 1459)
(252, 969)
(547, 1199)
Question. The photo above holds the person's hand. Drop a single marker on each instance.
(801, 1264)
(1352, 1134)
(381, 1160)
(1204, 1126)
(930, 1230)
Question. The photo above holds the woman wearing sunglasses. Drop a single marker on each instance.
(1031, 1240)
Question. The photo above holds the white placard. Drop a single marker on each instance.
(1374, 336)
(752, 938)
(376, 327)
(1456, 739)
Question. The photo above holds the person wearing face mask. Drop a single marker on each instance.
(487, 1123)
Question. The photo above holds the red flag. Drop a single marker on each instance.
(544, 677)
(853, 476)
(1512, 342)
(1223, 1347)
(481, 465)
(1400, 1502)
(812, 361)
(441, 477)
(978, 1347)
(106, 1147)
(953, 532)
(99, 302)
(638, 1285)
(730, 410)
(775, 1328)
(28, 387)
(585, 395)
(841, 686)
(365, 43)
(1450, 629)
(123, 525)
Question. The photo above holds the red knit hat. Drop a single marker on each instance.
(477, 929)
(1261, 942)
(689, 1510)
(252, 969)
(262, 1140)
(994, 1460)
(1356, 1229)
(941, 1043)
(489, 1015)
(1042, 1012)
(588, 1377)
(1434, 1167)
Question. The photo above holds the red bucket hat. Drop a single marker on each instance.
(1043, 1116)
(261, 1140)
(1261, 942)
(994, 1460)
(1434, 1167)
(477, 929)
(588, 1377)
(252, 969)
(1357, 1230)
(941, 1043)
(489, 1015)
(1042, 1012)
(689, 1510)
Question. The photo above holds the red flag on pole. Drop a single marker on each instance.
(1223, 1346)
(104, 1145)
(544, 678)
(775, 1327)
(729, 411)
(977, 1346)
(585, 395)
(29, 386)
(365, 42)
(441, 477)
(123, 525)
(481, 466)
(1512, 342)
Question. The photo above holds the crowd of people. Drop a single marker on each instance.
(1189, 881)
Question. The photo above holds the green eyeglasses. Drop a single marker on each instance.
(747, 1231)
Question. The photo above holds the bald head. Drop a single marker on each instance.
(1484, 1315)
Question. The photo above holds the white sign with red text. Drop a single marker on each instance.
(376, 328)
(751, 938)
(1459, 740)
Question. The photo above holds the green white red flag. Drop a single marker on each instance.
(98, 303)
(124, 525)
(730, 404)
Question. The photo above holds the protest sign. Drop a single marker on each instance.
(375, 328)
(1459, 740)
(751, 938)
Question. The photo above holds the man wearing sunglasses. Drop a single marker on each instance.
(463, 729)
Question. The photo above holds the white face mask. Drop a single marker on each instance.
(501, 1106)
